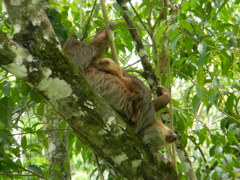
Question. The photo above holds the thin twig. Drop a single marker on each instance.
(88, 22)
(135, 71)
(47, 130)
(98, 166)
(12, 174)
(139, 18)
(201, 151)
(131, 64)
(110, 37)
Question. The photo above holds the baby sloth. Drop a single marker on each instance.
(125, 93)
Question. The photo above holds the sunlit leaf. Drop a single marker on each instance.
(200, 78)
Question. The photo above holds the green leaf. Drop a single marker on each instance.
(226, 63)
(217, 138)
(232, 42)
(35, 169)
(231, 136)
(200, 93)
(209, 9)
(189, 45)
(78, 146)
(180, 124)
(212, 151)
(202, 48)
(8, 163)
(210, 42)
(215, 82)
(183, 139)
(202, 135)
(158, 34)
(174, 41)
(175, 103)
(55, 19)
(187, 25)
(230, 102)
(116, 6)
(24, 142)
(223, 123)
(6, 89)
(200, 78)
(173, 31)
(213, 95)
(3, 138)
(25, 88)
(195, 104)
(6, 109)
(40, 109)
(36, 96)
(192, 138)
(1, 5)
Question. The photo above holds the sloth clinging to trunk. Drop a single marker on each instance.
(125, 93)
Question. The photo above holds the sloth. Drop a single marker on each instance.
(125, 93)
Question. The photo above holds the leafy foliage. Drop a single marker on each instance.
(202, 40)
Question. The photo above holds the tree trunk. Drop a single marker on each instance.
(57, 152)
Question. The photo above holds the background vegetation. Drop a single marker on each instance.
(200, 39)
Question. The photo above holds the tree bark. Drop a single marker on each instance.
(34, 55)
(57, 152)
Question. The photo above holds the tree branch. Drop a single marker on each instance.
(148, 73)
